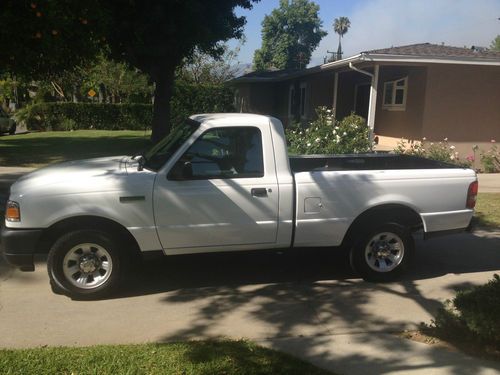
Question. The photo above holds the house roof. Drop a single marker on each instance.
(413, 53)
(436, 50)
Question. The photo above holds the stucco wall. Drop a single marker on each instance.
(462, 103)
(406, 123)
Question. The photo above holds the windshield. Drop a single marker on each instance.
(158, 155)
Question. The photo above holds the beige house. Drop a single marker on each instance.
(415, 91)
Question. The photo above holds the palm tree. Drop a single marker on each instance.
(341, 26)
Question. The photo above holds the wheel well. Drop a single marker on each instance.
(52, 233)
(394, 213)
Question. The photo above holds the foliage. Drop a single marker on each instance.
(43, 38)
(473, 314)
(341, 25)
(117, 81)
(491, 159)
(190, 98)
(38, 149)
(73, 116)
(51, 36)
(327, 136)
(440, 151)
(202, 68)
(188, 358)
(289, 36)
(495, 44)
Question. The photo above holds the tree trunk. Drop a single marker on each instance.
(164, 82)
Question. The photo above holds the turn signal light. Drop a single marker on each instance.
(472, 195)
(12, 213)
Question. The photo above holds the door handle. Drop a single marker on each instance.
(259, 192)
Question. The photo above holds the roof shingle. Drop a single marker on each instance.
(436, 50)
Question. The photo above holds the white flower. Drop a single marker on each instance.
(328, 111)
(452, 147)
(300, 133)
(317, 140)
(329, 122)
(446, 139)
(424, 139)
(334, 132)
(316, 128)
(344, 133)
(308, 144)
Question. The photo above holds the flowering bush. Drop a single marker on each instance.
(325, 135)
(441, 151)
(491, 159)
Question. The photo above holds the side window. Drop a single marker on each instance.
(232, 152)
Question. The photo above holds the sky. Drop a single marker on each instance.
(385, 23)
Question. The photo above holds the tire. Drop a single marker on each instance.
(383, 252)
(85, 264)
(12, 129)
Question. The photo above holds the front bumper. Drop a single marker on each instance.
(19, 247)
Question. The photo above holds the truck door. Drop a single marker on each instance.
(222, 192)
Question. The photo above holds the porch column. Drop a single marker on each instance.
(373, 101)
(335, 89)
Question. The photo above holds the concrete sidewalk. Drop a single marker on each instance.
(489, 182)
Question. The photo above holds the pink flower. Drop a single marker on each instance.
(470, 158)
(493, 141)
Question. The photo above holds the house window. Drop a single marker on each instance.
(291, 96)
(303, 112)
(395, 94)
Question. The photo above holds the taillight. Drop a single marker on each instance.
(472, 195)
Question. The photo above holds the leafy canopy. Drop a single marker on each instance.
(289, 36)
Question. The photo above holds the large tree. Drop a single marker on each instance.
(45, 37)
(289, 35)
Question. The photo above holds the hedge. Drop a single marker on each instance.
(73, 116)
(187, 99)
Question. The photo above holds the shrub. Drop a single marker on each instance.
(73, 116)
(491, 159)
(473, 313)
(325, 135)
(440, 151)
(189, 99)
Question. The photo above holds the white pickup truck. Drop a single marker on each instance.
(224, 182)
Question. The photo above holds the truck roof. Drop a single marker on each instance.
(229, 117)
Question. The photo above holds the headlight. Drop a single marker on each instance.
(12, 213)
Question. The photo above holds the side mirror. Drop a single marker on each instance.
(182, 170)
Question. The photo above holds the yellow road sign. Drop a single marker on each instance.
(92, 93)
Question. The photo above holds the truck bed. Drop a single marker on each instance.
(373, 161)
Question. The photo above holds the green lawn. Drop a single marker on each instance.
(488, 210)
(193, 357)
(39, 149)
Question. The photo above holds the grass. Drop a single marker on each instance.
(487, 214)
(42, 148)
(193, 357)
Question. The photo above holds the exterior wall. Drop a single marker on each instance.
(402, 123)
(462, 103)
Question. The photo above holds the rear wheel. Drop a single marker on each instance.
(85, 264)
(383, 252)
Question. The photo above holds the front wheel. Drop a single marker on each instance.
(383, 253)
(84, 264)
